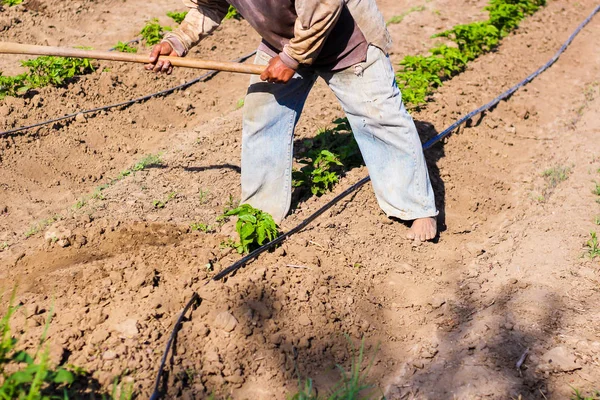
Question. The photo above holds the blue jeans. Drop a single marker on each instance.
(384, 131)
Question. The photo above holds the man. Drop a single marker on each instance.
(345, 42)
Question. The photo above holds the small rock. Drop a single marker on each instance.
(128, 328)
(81, 118)
(225, 321)
(437, 302)
(109, 355)
(304, 320)
(558, 359)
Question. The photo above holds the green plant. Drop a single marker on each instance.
(239, 104)
(163, 203)
(253, 226)
(199, 226)
(596, 189)
(11, 3)
(35, 228)
(577, 395)
(597, 220)
(178, 17)
(420, 75)
(153, 32)
(353, 384)
(203, 196)
(232, 13)
(26, 376)
(396, 19)
(593, 249)
(125, 48)
(43, 71)
(4, 246)
(326, 157)
(556, 175)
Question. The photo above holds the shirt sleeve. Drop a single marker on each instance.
(316, 19)
(203, 17)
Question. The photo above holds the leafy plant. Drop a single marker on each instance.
(199, 226)
(26, 376)
(233, 13)
(43, 71)
(556, 175)
(11, 3)
(153, 32)
(125, 48)
(253, 226)
(332, 152)
(593, 248)
(178, 17)
(420, 75)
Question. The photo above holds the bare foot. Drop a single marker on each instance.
(423, 229)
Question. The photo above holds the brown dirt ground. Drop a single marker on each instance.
(450, 319)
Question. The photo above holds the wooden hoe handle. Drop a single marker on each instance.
(29, 49)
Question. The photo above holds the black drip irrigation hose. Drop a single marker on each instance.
(165, 92)
(156, 395)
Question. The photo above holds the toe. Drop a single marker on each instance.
(411, 235)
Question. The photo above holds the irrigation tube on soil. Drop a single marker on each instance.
(165, 92)
(240, 263)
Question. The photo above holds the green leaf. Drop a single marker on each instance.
(63, 376)
(22, 357)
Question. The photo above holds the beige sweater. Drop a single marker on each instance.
(309, 33)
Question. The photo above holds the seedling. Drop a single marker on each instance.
(178, 17)
(352, 385)
(239, 104)
(556, 175)
(253, 226)
(125, 48)
(420, 75)
(396, 19)
(11, 3)
(199, 226)
(232, 13)
(203, 196)
(153, 32)
(593, 249)
(43, 71)
(597, 220)
(577, 395)
(596, 190)
(35, 228)
(331, 153)
(4, 246)
(162, 203)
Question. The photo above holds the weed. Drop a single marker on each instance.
(203, 196)
(125, 48)
(593, 248)
(556, 175)
(80, 204)
(420, 75)
(151, 160)
(153, 32)
(239, 104)
(199, 226)
(11, 3)
(35, 228)
(30, 376)
(162, 203)
(233, 13)
(4, 246)
(43, 71)
(253, 226)
(178, 17)
(230, 204)
(596, 189)
(352, 384)
(577, 395)
(396, 19)
(597, 220)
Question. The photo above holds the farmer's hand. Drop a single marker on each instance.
(277, 72)
(156, 65)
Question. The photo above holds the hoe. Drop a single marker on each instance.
(34, 50)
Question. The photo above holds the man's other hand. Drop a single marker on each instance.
(156, 65)
(277, 72)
